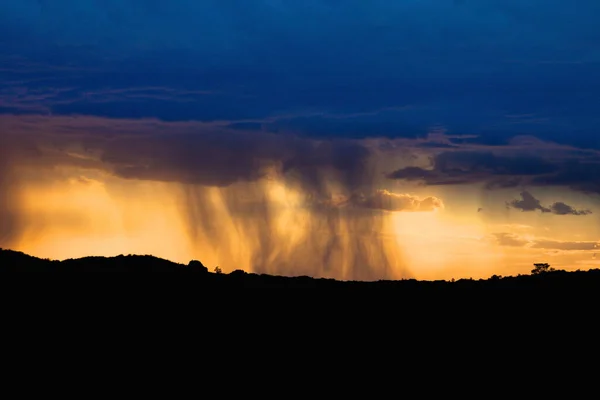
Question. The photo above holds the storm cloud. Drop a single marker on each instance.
(222, 158)
(234, 188)
(191, 153)
(516, 165)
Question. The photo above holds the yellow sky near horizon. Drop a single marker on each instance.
(75, 215)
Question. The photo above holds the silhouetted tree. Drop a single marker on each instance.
(218, 270)
(540, 268)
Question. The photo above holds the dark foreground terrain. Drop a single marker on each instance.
(560, 282)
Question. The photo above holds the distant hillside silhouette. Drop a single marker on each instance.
(197, 273)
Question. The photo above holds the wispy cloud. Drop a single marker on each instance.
(514, 240)
(388, 201)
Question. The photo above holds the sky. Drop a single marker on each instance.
(427, 139)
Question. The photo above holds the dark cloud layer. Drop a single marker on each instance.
(577, 174)
(192, 153)
(465, 167)
(215, 154)
(222, 158)
(462, 167)
(357, 69)
(517, 165)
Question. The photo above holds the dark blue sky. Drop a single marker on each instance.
(495, 68)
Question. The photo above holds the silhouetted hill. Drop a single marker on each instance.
(145, 266)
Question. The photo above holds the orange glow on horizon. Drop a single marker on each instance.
(79, 218)
(260, 227)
